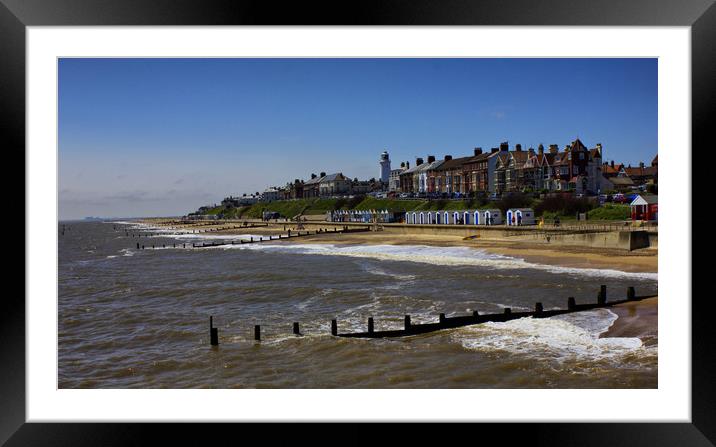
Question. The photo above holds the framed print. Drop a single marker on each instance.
(412, 213)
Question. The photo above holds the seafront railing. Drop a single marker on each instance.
(445, 322)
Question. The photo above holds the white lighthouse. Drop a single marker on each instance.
(384, 167)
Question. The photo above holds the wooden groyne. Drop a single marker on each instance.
(467, 320)
(464, 320)
(254, 240)
(133, 234)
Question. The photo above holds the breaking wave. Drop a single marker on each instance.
(440, 256)
(567, 337)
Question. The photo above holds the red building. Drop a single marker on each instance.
(645, 208)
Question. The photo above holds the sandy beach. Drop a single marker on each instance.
(637, 261)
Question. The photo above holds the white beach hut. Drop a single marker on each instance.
(456, 218)
(520, 216)
(422, 218)
(477, 217)
(430, 218)
(467, 218)
(492, 217)
(448, 218)
(438, 217)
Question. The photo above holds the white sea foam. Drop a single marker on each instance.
(375, 270)
(441, 256)
(568, 337)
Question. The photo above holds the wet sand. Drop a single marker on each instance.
(637, 261)
(637, 319)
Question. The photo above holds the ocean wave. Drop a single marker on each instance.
(458, 256)
(564, 338)
(373, 269)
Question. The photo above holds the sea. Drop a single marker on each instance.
(130, 318)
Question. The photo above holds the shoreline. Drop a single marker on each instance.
(637, 261)
(637, 319)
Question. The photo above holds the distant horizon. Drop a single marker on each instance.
(162, 137)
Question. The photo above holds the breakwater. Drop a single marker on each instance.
(253, 240)
(445, 322)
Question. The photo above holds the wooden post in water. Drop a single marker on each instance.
(213, 333)
(142, 247)
(508, 311)
(257, 332)
(137, 245)
(296, 331)
(631, 293)
(475, 313)
(571, 305)
(370, 325)
(442, 318)
(538, 308)
(602, 297)
(407, 322)
(334, 327)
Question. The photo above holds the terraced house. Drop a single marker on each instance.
(475, 172)
(450, 175)
(501, 170)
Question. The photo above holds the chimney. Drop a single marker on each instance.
(418, 161)
(402, 164)
(313, 175)
(323, 174)
(540, 149)
(407, 165)
(531, 151)
(431, 158)
(612, 163)
(493, 150)
(504, 146)
(448, 157)
(478, 151)
(518, 147)
(553, 148)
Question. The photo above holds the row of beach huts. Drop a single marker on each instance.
(513, 217)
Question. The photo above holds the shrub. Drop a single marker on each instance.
(353, 202)
(610, 211)
(564, 205)
(514, 200)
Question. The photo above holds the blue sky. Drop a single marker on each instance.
(141, 137)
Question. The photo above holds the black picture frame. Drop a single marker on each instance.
(15, 15)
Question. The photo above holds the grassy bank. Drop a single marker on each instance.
(564, 208)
